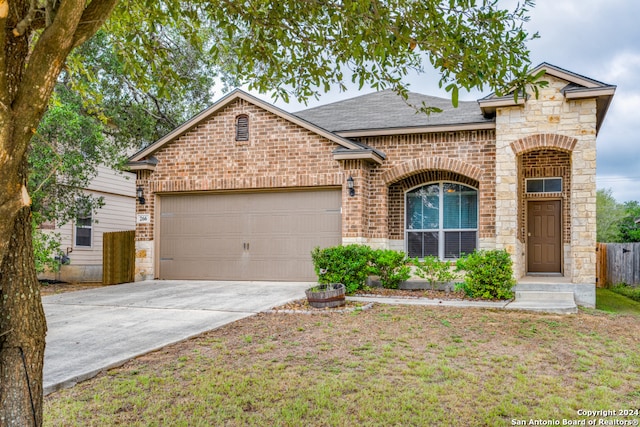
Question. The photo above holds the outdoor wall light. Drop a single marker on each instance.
(352, 191)
(140, 195)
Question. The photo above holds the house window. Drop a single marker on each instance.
(544, 185)
(242, 128)
(84, 228)
(441, 220)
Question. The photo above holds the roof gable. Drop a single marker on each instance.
(578, 87)
(142, 160)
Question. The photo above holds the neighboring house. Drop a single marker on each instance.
(81, 240)
(245, 190)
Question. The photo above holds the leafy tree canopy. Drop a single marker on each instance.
(300, 49)
(629, 229)
(616, 221)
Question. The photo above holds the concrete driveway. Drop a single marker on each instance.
(96, 329)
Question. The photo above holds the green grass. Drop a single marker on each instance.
(632, 292)
(388, 366)
(609, 301)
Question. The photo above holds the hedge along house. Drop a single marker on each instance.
(244, 190)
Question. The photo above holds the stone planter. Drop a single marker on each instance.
(326, 296)
(425, 285)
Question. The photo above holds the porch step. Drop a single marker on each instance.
(544, 301)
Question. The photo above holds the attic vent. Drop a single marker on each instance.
(242, 128)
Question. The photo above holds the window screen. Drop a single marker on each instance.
(441, 220)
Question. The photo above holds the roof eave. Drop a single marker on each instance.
(416, 129)
(567, 75)
(584, 93)
(490, 105)
(141, 166)
(368, 155)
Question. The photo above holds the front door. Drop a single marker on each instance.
(544, 236)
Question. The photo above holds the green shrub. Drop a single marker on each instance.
(348, 265)
(434, 270)
(391, 266)
(489, 274)
(46, 247)
(628, 291)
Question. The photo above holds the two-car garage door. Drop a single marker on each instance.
(246, 236)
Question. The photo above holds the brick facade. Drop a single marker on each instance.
(464, 157)
(548, 136)
(281, 155)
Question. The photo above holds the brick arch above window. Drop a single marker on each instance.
(398, 189)
(415, 166)
(545, 141)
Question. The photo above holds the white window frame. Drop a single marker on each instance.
(440, 230)
(76, 226)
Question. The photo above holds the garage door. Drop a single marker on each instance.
(246, 236)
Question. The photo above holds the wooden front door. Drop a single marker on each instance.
(544, 237)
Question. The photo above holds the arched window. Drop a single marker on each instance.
(441, 220)
(242, 128)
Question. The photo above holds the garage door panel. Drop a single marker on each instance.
(202, 247)
(246, 236)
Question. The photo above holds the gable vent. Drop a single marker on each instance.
(242, 128)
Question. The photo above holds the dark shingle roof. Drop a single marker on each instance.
(387, 110)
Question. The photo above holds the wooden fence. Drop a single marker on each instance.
(618, 263)
(118, 257)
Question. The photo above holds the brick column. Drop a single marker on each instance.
(354, 209)
(144, 231)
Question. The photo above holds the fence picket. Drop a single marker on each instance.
(118, 257)
(618, 263)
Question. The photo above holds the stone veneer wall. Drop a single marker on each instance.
(549, 122)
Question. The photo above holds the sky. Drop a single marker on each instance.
(599, 39)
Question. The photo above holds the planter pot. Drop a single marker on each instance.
(326, 296)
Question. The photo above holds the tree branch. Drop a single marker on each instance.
(25, 23)
(93, 18)
(41, 73)
(4, 14)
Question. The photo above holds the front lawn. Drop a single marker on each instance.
(613, 302)
(388, 366)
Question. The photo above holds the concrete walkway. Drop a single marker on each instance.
(540, 302)
(97, 329)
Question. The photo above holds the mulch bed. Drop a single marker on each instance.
(52, 287)
(302, 305)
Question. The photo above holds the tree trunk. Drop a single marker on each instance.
(29, 68)
(22, 330)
